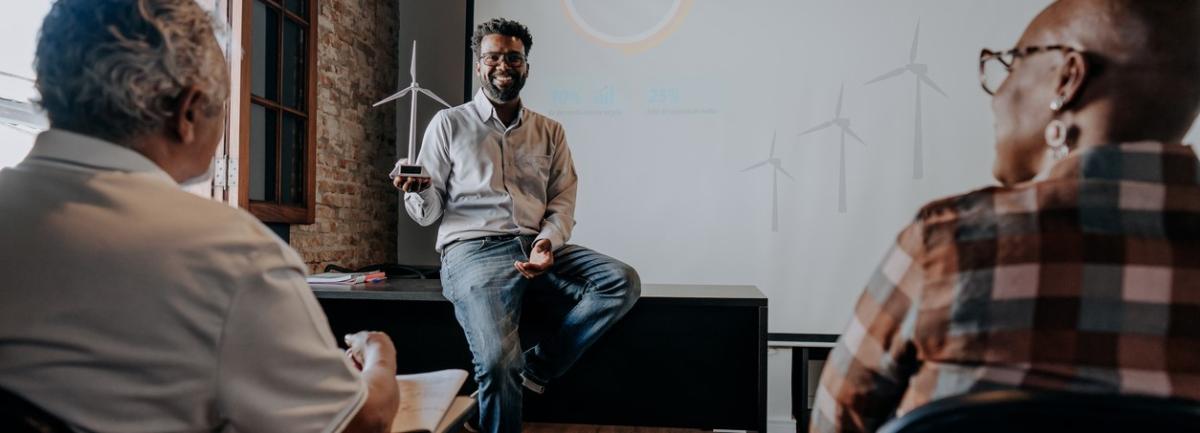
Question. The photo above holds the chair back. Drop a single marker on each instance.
(18, 415)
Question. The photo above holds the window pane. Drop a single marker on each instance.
(293, 65)
(291, 160)
(265, 52)
(262, 152)
(297, 7)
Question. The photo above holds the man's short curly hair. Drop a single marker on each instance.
(114, 68)
(504, 27)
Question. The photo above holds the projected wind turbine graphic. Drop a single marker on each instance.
(844, 125)
(413, 88)
(920, 73)
(777, 168)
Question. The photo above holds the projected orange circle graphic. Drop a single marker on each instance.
(631, 26)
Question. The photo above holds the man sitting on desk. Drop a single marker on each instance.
(130, 305)
(501, 178)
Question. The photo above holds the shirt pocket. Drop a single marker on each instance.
(533, 174)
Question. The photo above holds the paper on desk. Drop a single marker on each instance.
(424, 399)
(345, 278)
(456, 414)
(330, 277)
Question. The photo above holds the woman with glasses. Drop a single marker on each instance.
(1081, 272)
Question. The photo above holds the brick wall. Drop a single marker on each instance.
(356, 204)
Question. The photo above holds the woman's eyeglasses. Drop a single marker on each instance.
(994, 66)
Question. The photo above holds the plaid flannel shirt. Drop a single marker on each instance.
(1086, 281)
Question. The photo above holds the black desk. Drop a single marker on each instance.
(689, 356)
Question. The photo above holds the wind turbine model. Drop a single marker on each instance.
(775, 163)
(843, 124)
(412, 169)
(919, 71)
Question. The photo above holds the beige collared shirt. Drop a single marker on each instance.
(129, 305)
(490, 179)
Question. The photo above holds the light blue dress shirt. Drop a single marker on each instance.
(490, 179)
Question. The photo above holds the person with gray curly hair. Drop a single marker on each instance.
(126, 82)
(132, 305)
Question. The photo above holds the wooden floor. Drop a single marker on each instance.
(579, 428)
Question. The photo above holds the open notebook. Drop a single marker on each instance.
(428, 401)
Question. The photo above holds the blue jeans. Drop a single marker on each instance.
(479, 278)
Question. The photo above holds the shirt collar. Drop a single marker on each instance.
(486, 111)
(1146, 161)
(61, 146)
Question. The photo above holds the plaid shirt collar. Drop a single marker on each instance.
(1145, 161)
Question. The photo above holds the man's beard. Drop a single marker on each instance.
(509, 93)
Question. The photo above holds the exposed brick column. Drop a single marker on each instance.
(356, 204)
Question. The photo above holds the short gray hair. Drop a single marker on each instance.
(114, 68)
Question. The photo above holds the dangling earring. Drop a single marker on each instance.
(1056, 138)
(1056, 133)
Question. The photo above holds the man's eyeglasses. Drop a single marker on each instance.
(513, 59)
(994, 66)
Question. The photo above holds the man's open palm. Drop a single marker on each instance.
(541, 258)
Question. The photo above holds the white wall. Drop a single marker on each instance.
(779, 391)
(18, 29)
(666, 103)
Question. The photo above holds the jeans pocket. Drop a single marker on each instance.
(456, 253)
(448, 290)
(526, 246)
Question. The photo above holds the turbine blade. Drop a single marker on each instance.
(841, 92)
(930, 83)
(890, 74)
(912, 54)
(817, 128)
(394, 97)
(19, 129)
(412, 68)
(11, 75)
(430, 94)
(785, 173)
(773, 143)
(852, 134)
(756, 166)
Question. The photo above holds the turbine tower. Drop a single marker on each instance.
(775, 163)
(920, 73)
(844, 125)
